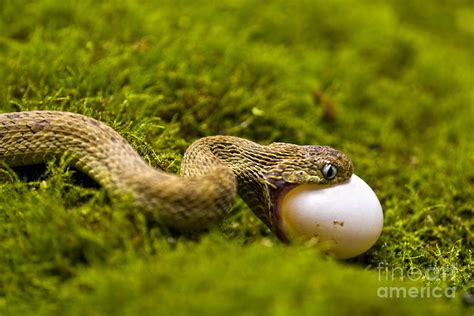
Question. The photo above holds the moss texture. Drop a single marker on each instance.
(388, 82)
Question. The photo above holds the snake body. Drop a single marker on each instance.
(214, 169)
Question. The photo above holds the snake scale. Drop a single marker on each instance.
(214, 169)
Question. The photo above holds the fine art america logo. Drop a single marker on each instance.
(432, 276)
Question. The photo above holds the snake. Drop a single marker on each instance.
(214, 169)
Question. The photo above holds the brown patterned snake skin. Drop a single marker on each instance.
(214, 168)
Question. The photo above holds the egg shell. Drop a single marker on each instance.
(348, 216)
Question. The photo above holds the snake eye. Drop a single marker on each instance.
(329, 171)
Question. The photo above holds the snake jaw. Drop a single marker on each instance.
(276, 187)
(278, 182)
(276, 213)
(300, 177)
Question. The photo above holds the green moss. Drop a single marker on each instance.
(388, 82)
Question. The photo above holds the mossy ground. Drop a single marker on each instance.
(388, 82)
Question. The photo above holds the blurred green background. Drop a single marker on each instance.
(390, 83)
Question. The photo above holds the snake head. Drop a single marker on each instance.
(309, 164)
(320, 165)
(266, 173)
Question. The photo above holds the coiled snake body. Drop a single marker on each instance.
(213, 170)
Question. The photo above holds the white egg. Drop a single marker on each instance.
(348, 217)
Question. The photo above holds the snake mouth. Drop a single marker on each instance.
(276, 196)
